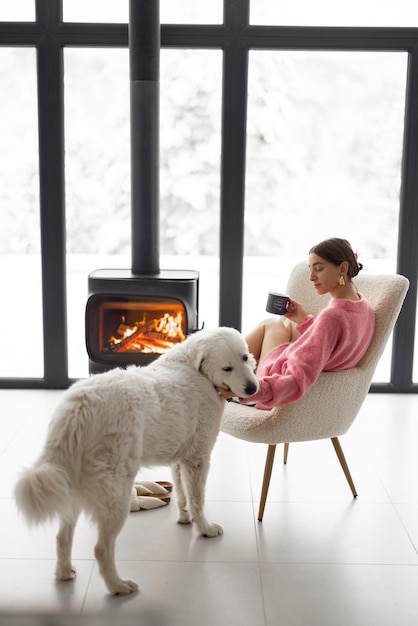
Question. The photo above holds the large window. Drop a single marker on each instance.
(20, 242)
(280, 125)
(324, 153)
(329, 13)
(98, 173)
(23, 11)
(172, 11)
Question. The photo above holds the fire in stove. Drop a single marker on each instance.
(149, 335)
(122, 329)
(144, 325)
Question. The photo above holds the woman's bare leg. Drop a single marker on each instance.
(269, 334)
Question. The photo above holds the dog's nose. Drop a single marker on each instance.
(250, 389)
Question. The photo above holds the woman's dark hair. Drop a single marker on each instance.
(336, 251)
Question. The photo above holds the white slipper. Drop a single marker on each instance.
(141, 490)
(151, 503)
(150, 486)
(142, 502)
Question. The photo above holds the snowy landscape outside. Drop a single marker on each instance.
(324, 151)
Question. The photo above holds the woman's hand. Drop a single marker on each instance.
(296, 312)
(227, 394)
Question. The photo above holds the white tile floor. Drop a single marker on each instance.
(318, 558)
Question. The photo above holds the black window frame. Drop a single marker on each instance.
(235, 37)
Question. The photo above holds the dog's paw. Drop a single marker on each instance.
(213, 530)
(65, 573)
(184, 518)
(124, 587)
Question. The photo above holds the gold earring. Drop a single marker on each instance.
(341, 282)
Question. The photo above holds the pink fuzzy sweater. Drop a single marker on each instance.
(335, 340)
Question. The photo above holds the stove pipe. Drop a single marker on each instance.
(144, 67)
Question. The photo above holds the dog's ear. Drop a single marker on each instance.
(196, 353)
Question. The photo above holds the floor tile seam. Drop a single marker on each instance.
(410, 539)
(184, 561)
(86, 592)
(262, 594)
(259, 565)
(392, 504)
(321, 502)
(376, 470)
(17, 432)
(5, 448)
(380, 569)
(52, 559)
(225, 500)
(249, 475)
(256, 524)
(340, 563)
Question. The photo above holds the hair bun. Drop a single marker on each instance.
(354, 269)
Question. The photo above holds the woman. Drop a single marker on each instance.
(292, 353)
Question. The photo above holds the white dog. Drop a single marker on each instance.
(110, 424)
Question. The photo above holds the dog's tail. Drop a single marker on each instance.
(43, 492)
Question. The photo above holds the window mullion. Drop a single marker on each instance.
(403, 337)
(52, 207)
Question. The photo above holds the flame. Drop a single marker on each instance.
(153, 337)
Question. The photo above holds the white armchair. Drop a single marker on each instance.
(330, 406)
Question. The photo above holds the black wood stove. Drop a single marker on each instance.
(133, 316)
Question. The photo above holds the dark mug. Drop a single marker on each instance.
(277, 303)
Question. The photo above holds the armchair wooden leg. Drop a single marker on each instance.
(285, 452)
(266, 480)
(341, 458)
